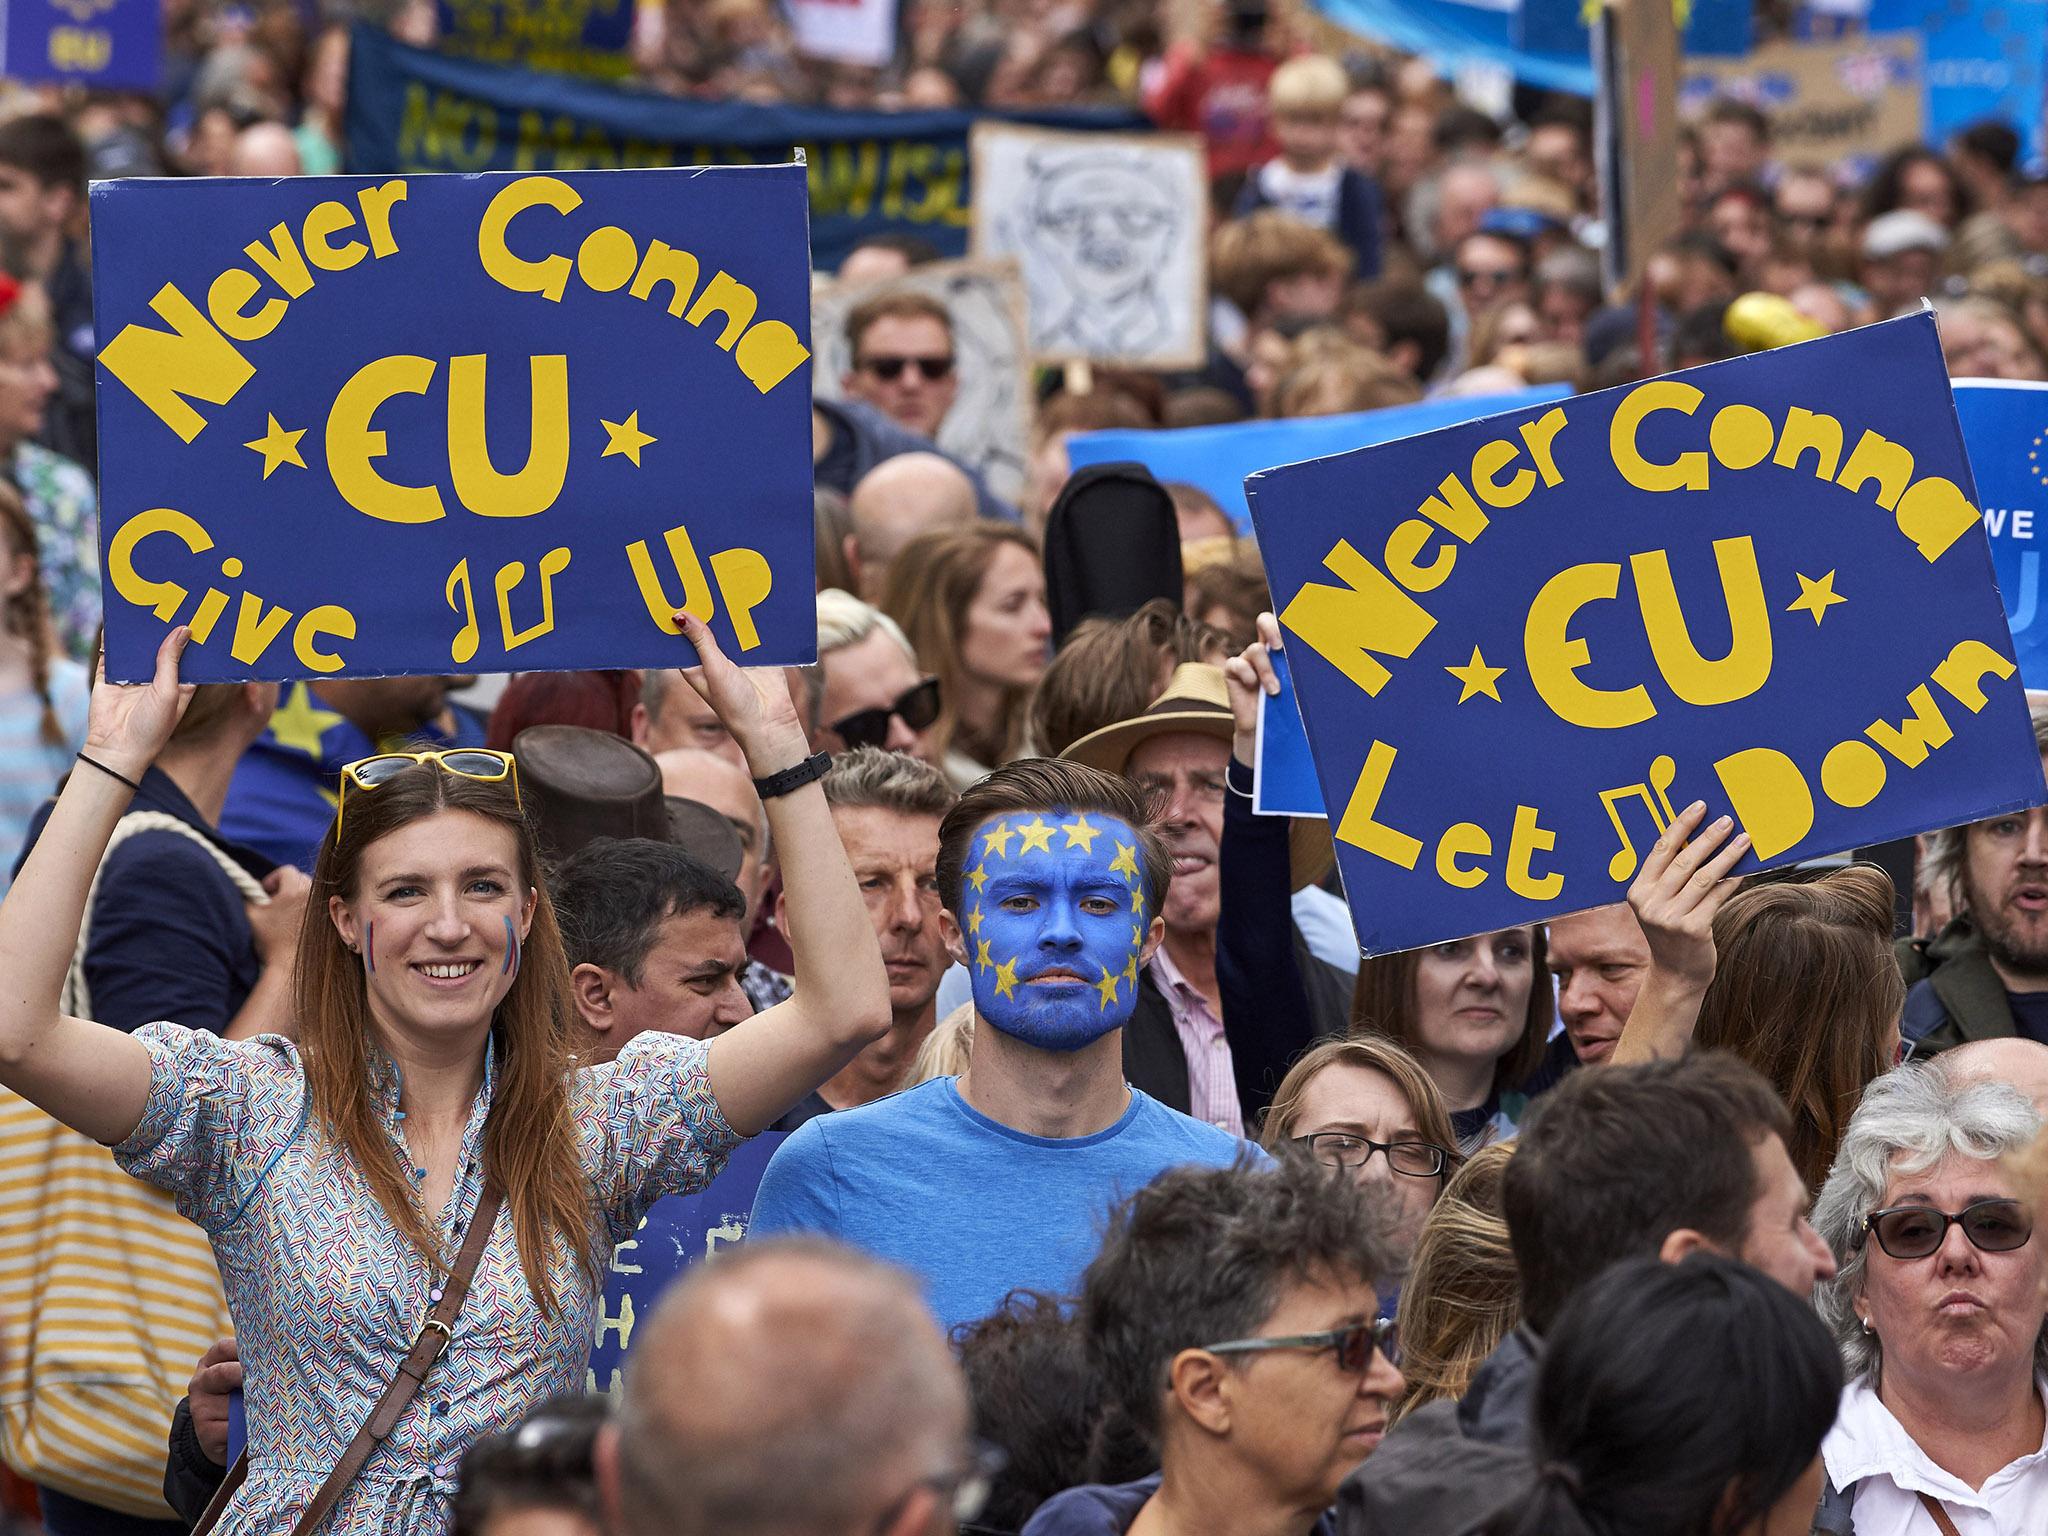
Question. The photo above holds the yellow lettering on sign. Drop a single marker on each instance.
(352, 442)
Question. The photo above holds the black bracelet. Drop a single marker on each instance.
(808, 771)
(93, 762)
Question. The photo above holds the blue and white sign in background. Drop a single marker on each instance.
(2005, 427)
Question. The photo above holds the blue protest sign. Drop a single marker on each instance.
(1218, 458)
(1285, 784)
(454, 424)
(1985, 59)
(1560, 26)
(111, 44)
(1523, 643)
(577, 37)
(678, 1232)
(2005, 426)
(870, 173)
(1454, 35)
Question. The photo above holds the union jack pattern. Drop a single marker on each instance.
(327, 1297)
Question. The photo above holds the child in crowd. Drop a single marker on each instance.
(1308, 178)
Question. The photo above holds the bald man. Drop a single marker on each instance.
(265, 149)
(2011, 1059)
(895, 502)
(793, 1387)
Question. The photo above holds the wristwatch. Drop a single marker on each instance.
(809, 771)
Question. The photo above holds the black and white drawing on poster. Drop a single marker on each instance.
(1111, 231)
(989, 424)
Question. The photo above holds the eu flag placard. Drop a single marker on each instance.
(434, 424)
(1523, 644)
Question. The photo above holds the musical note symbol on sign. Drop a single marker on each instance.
(1656, 797)
(464, 646)
(510, 575)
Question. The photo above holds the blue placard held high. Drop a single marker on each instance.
(441, 424)
(111, 44)
(2006, 428)
(1522, 644)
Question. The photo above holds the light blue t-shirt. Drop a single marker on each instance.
(970, 1206)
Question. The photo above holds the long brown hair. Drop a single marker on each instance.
(932, 584)
(1378, 1054)
(1806, 990)
(530, 1140)
(1462, 1295)
(1383, 1002)
(28, 611)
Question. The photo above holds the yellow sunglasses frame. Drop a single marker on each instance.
(439, 758)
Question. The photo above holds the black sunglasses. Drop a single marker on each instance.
(890, 369)
(916, 707)
(1915, 1231)
(1353, 1344)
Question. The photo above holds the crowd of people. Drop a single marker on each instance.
(1112, 1191)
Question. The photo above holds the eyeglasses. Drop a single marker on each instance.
(967, 1487)
(890, 369)
(1353, 1344)
(1341, 1149)
(1915, 1231)
(1472, 277)
(916, 707)
(480, 763)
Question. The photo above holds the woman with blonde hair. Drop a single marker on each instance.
(1795, 977)
(1462, 1296)
(351, 1179)
(1366, 1106)
(972, 602)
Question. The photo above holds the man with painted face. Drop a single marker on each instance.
(1051, 875)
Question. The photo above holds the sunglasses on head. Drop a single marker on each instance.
(916, 707)
(1353, 1344)
(890, 369)
(1915, 1231)
(480, 763)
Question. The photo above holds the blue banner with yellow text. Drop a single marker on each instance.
(575, 37)
(453, 424)
(870, 172)
(114, 45)
(1523, 644)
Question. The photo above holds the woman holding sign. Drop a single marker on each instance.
(410, 1203)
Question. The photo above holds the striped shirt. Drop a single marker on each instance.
(1212, 1083)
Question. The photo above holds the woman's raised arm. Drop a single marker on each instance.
(94, 1079)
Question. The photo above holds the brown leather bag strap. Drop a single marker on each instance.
(434, 1337)
(1940, 1516)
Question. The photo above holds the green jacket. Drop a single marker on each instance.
(1952, 992)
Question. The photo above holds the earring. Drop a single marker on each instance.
(350, 945)
(1868, 1331)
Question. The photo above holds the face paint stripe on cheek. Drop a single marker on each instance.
(370, 946)
(511, 949)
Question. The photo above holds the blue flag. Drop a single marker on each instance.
(870, 173)
(1218, 458)
(451, 424)
(110, 44)
(1524, 644)
(2006, 428)
(577, 37)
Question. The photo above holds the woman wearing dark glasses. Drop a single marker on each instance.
(339, 1173)
(1939, 1308)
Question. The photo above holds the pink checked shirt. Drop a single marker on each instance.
(1212, 1086)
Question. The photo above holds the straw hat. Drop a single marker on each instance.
(1197, 699)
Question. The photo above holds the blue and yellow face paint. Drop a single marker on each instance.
(1055, 923)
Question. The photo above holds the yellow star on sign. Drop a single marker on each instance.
(1080, 835)
(1037, 836)
(1125, 863)
(981, 959)
(974, 921)
(625, 437)
(978, 876)
(1476, 677)
(997, 841)
(1815, 597)
(1105, 989)
(277, 446)
(1006, 979)
(299, 722)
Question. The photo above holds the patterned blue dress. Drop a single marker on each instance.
(327, 1297)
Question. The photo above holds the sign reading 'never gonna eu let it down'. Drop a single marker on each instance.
(451, 424)
(1520, 644)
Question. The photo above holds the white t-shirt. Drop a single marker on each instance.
(1311, 196)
